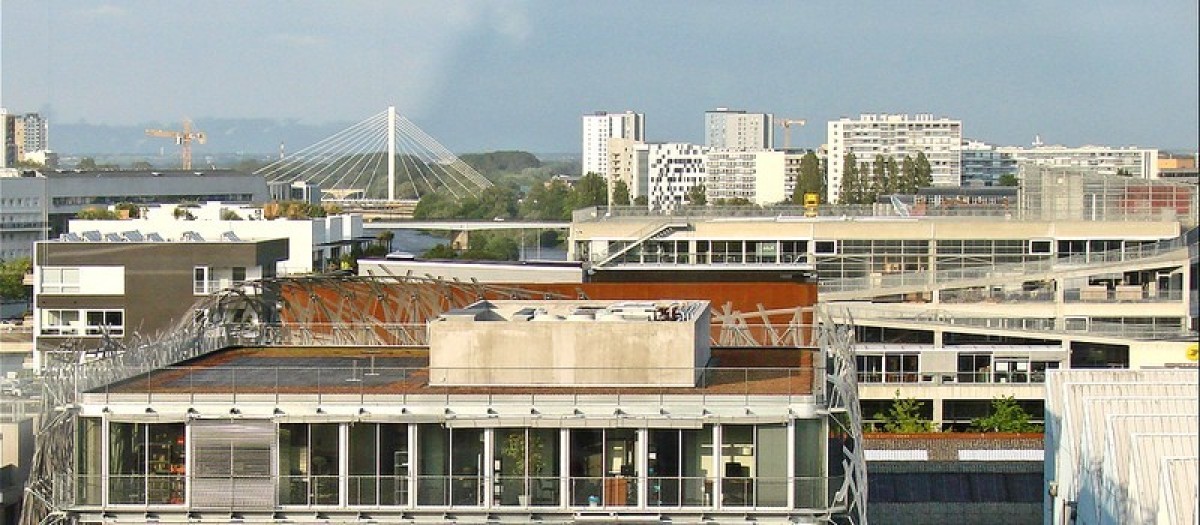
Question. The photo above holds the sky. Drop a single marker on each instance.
(490, 75)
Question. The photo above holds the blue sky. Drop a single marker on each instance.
(518, 75)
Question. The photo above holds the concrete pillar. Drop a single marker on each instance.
(937, 401)
(460, 240)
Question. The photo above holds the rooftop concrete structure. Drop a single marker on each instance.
(571, 343)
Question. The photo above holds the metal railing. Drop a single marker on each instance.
(943, 317)
(472, 491)
(250, 383)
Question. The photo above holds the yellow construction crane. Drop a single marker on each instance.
(787, 129)
(183, 138)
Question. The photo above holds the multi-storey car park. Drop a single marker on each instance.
(411, 400)
(958, 304)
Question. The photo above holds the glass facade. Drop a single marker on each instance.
(381, 465)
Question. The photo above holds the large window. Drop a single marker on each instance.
(681, 468)
(59, 280)
(604, 467)
(527, 466)
(202, 281)
(89, 472)
(451, 466)
(974, 368)
(146, 463)
(378, 464)
(76, 323)
(753, 474)
(308, 464)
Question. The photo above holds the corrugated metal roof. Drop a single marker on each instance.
(1065, 446)
(1091, 477)
(1061, 449)
(1177, 490)
(1145, 461)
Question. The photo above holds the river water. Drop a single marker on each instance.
(417, 242)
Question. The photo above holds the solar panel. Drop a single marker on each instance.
(91, 236)
(154, 237)
(230, 236)
(133, 236)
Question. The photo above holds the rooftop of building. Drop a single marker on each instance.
(137, 236)
(177, 173)
(578, 311)
(391, 371)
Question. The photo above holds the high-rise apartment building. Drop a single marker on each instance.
(895, 136)
(984, 164)
(725, 128)
(8, 137)
(31, 133)
(757, 176)
(671, 171)
(601, 126)
(1140, 163)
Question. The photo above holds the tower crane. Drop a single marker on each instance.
(787, 130)
(183, 139)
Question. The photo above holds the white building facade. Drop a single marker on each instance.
(1139, 163)
(315, 243)
(757, 176)
(672, 170)
(738, 130)
(601, 126)
(895, 136)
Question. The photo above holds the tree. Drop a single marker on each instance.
(1005, 416)
(230, 215)
(697, 195)
(879, 184)
(12, 278)
(441, 251)
(620, 194)
(641, 200)
(851, 186)
(131, 210)
(87, 163)
(908, 177)
(810, 180)
(904, 417)
(591, 190)
(1009, 179)
(142, 165)
(384, 238)
(891, 174)
(924, 171)
(96, 214)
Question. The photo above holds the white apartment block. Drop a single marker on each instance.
(1135, 162)
(31, 135)
(671, 171)
(895, 136)
(624, 158)
(601, 126)
(757, 176)
(738, 130)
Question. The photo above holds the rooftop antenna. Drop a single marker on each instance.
(281, 150)
(1037, 141)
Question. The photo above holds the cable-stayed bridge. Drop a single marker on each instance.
(382, 163)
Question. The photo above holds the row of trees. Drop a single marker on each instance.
(863, 182)
(551, 200)
(904, 417)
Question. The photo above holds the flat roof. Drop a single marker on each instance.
(391, 370)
